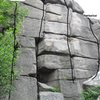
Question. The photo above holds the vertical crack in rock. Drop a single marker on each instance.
(37, 42)
(98, 47)
(72, 67)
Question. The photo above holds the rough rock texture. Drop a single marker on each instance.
(59, 44)
(66, 46)
(31, 27)
(26, 63)
(74, 90)
(93, 82)
(51, 96)
(25, 89)
(45, 87)
(70, 3)
(80, 27)
(68, 38)
(53, 62)
(64, 74)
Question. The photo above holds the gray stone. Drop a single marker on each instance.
(27, 42)
(57, 13)
(51, 96)
(35, 3)
(31, 27)
(77, 47)
(70, 3)
(80, 27)
(54, 36)
(66, 74)
(54, 43)
(55, 27)
(55, 1)
(68, 88)
(55, 9)
(73, 98)
(33, 12)
(25, 89)
(83, 48)
(95, 21)
(56, 62)
(76, 7)
(96, 30)
(93, 81)
(53, 62)
(45, 87)
(26, 63)
(78, 73)
(85, 63)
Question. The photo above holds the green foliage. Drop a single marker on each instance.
(91, 93)
(55, 89)
(6, 41)
(6, 50)
(7, 11)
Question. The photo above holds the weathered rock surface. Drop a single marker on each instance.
(26, 63)
(70, 3)
(57, 13)
(45, 87)
(73, 98)
(53, 59)
(53, 43)
(76, 7)
(35, 4)
(53, 27)
(93, 82)
(27, 42)
(77, 47)
(53, 62)
(25, 89)
(85, 63)
(80, 27)
(51, 96)
(83, 48)
(48, 61)
(65, 74)
(96, 28)
(74, 89)
(33, 12)
(31, 27)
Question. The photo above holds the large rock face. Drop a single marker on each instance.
(69, 48)
(58, 46)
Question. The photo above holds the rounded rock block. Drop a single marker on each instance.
(70, 3)
(53, 62)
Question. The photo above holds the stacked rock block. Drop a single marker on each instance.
(26, 82)
(67, 26)
(64, 28)
(95, 80)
